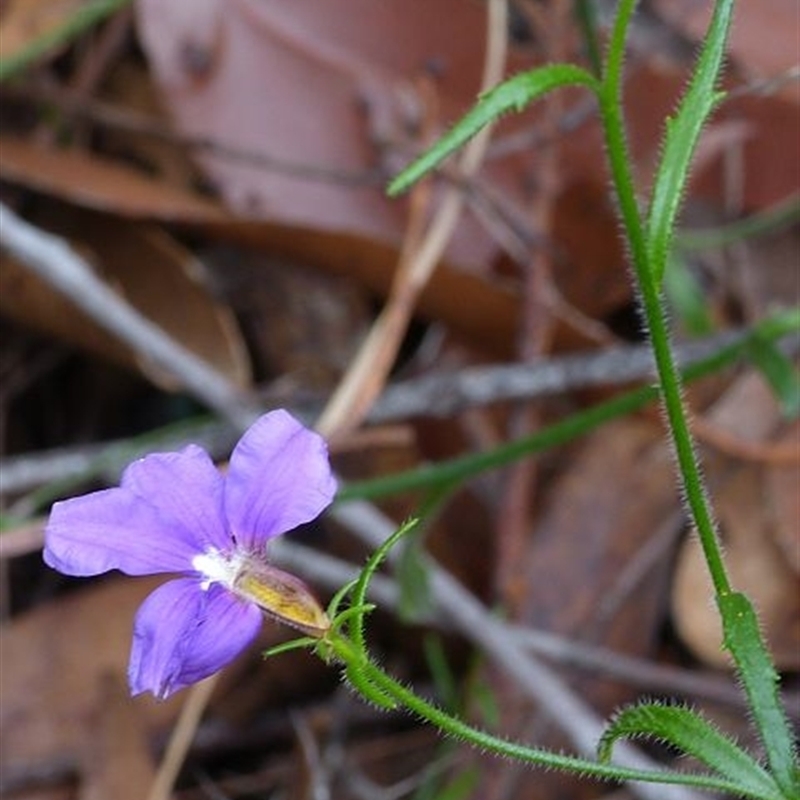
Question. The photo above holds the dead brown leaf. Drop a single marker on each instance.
(53, 661)
(101, 183)
(323, 86)
(153, 272)
(756, 566)
(589, 256)
(618, 493)
(105, 185)
(783, 502)
(117, 761)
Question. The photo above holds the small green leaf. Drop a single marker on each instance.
(511, 95)
(688, 732)
(745, 643)
(682, 134)
(333, 607)
(685, 295)
(344, 616)
(780, 372)
(412, 575)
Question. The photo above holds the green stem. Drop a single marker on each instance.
(458, 729)
(669, 377)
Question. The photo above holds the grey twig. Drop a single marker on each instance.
(53, 259)
(62, 467)
(443, 393)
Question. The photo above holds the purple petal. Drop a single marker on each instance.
(184, 633)
(114, 529)
(279, 478)
(187, 491)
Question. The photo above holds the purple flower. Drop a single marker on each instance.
(176, 513)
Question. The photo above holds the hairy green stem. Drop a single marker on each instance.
(651, 303)
(358, 661)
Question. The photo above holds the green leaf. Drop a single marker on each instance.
(745, 643)
(782, 214)
(682, 134)
(684, 729)
(412, 576)
(292, 644)
(685, 295)
(511, 95)
(780, 372)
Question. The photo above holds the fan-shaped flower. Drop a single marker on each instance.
(176, 513)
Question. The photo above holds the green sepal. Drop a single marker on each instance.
(292, 644)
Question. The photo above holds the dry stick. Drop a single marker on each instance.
(367, 374)
(53, 259)
(181, 738)
(497, 640)
(445, 393)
